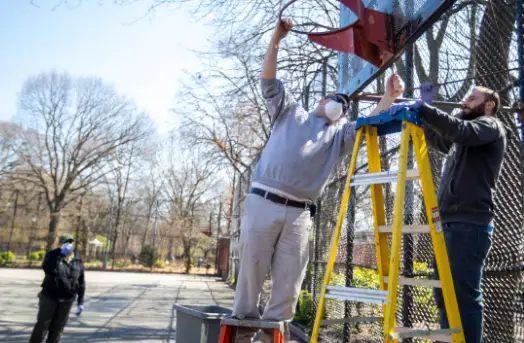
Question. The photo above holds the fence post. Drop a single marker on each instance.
(12, 228)
(350, 237)
(520, 49)
(316, 279)
(34, 230)
(218, 250)
(407, 292)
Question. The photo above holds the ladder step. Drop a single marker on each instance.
(372, 296)
(254, 323)
(416, 282)
(382, 177)
(352, 320)
(442, 335)
(406, 229)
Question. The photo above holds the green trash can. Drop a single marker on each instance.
(199, 324)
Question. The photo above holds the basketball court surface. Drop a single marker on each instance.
(119, 307)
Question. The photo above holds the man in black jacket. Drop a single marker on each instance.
(63, 281)
(475, 142)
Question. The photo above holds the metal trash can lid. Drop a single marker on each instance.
(204, 311)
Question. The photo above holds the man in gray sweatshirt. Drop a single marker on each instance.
(290, 176)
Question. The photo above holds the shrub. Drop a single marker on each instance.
(148, 256)
(160, 264)
(36, 255)
(122, 263)
(7, 256)
(93, 264)
(305, 308)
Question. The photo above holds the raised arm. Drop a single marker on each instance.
(442, 130)
(269, 69)
(475, 132)
(394, 89)
(435, 141)
(49, 263)
(273, 91)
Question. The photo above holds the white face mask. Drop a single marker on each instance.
(333, 110)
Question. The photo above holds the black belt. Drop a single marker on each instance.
(283, 201)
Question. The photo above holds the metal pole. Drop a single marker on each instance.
(324, 77)
(520, 47)
(350, 237)
(12, 227)
(317, 267)
(217, 252)
(109, 230)
(407, 294)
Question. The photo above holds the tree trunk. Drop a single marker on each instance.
(115, 236)
(85, 240)
(127, 238)
(187, 253)
(53, 226)
(170, 249)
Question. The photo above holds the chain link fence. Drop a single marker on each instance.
(105, 237)
(472, 44)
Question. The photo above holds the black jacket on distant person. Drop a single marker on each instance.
(468, 184)
(63, 280)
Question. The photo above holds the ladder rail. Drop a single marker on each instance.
(437, 235)
(377, 206)
(336, 237)
(398, 215)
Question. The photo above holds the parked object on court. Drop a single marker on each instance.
(199, 324)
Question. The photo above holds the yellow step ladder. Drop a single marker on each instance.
(408, 123)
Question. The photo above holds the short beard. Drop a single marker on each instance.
(474, 113)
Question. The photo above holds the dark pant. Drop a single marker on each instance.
(52, 317)
(468, 246)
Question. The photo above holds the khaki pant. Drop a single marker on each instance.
(273, 237)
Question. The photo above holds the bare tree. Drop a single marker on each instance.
(189, 182)
(150, 187)
(75, 127)
(126, 163)
(8, 157)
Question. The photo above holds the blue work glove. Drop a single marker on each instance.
(428, 91)
(80, 309)
(66, 249)
(413, 105)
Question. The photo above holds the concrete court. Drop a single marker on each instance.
(119, 307)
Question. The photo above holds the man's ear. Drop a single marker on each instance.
(490, 105)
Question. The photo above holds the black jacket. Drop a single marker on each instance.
(63, 281)
(475, 150)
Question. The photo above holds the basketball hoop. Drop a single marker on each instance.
(370, 36)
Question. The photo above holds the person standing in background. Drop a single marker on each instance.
(64, 281)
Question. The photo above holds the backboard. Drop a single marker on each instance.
(411, 18)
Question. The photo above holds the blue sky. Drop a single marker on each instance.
(143, 59)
